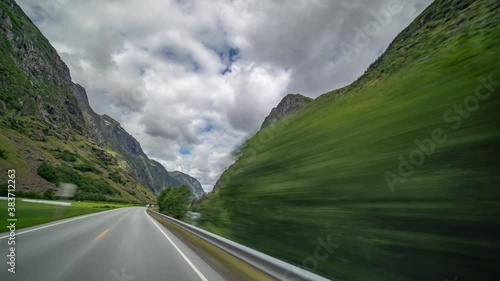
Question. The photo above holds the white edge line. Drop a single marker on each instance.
(58, 223)
(179, 250)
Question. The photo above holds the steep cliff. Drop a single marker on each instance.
(110, 135)
(289, 105)
(193, 184)
(44, 115)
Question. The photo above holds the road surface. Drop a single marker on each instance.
(118, 245)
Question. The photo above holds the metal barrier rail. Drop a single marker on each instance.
(273, 267)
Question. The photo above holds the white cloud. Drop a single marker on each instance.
(157, 66)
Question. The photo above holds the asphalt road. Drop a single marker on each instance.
(118, 245)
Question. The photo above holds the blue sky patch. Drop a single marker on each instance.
(208, 128)
(184, 151)
(228, 56)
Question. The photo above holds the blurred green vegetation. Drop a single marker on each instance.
(114, 176)
(174, 201)
(3, 154)
(88, 188)
(320, 175)
(87, 167)
(69, 156)
(29, 214)
(49, 194)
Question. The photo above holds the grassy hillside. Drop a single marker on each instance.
(73, 161)
(397, 173)
(44, 135)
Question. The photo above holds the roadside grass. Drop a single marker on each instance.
(227, 265)
(30, 214)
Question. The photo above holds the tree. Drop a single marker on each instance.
(114, 176)
(48, 172)
(69, 156)
(49, 194)
(4, 189)
(3, 154)
(174, 201)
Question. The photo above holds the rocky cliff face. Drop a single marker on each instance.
(34, 80)
(193, 184)
(39, 100)
(290, 104)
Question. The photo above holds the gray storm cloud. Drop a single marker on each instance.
(201, 76)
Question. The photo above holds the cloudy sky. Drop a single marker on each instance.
(191, 79)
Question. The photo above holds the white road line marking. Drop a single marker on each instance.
(180, 252)
(58, 223)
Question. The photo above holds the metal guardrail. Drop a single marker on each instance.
(273, 267)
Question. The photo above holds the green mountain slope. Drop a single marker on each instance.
(394, 177)
(49, 132)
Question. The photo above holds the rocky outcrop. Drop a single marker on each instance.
(193, 184)
(160, 177)
(289, 105)
(35, 81)
(107, 133)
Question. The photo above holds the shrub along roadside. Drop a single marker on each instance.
(88, 188)
(174, 201)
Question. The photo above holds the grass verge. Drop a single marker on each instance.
(30, 214)
(226, 264)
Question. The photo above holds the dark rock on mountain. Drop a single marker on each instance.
(289, 105)
(193, 184)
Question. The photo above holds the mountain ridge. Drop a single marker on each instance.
(41, 102)
(321, 177)
(289, 105)
(193, 184)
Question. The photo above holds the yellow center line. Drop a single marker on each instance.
(120, 219)
(100, 235)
